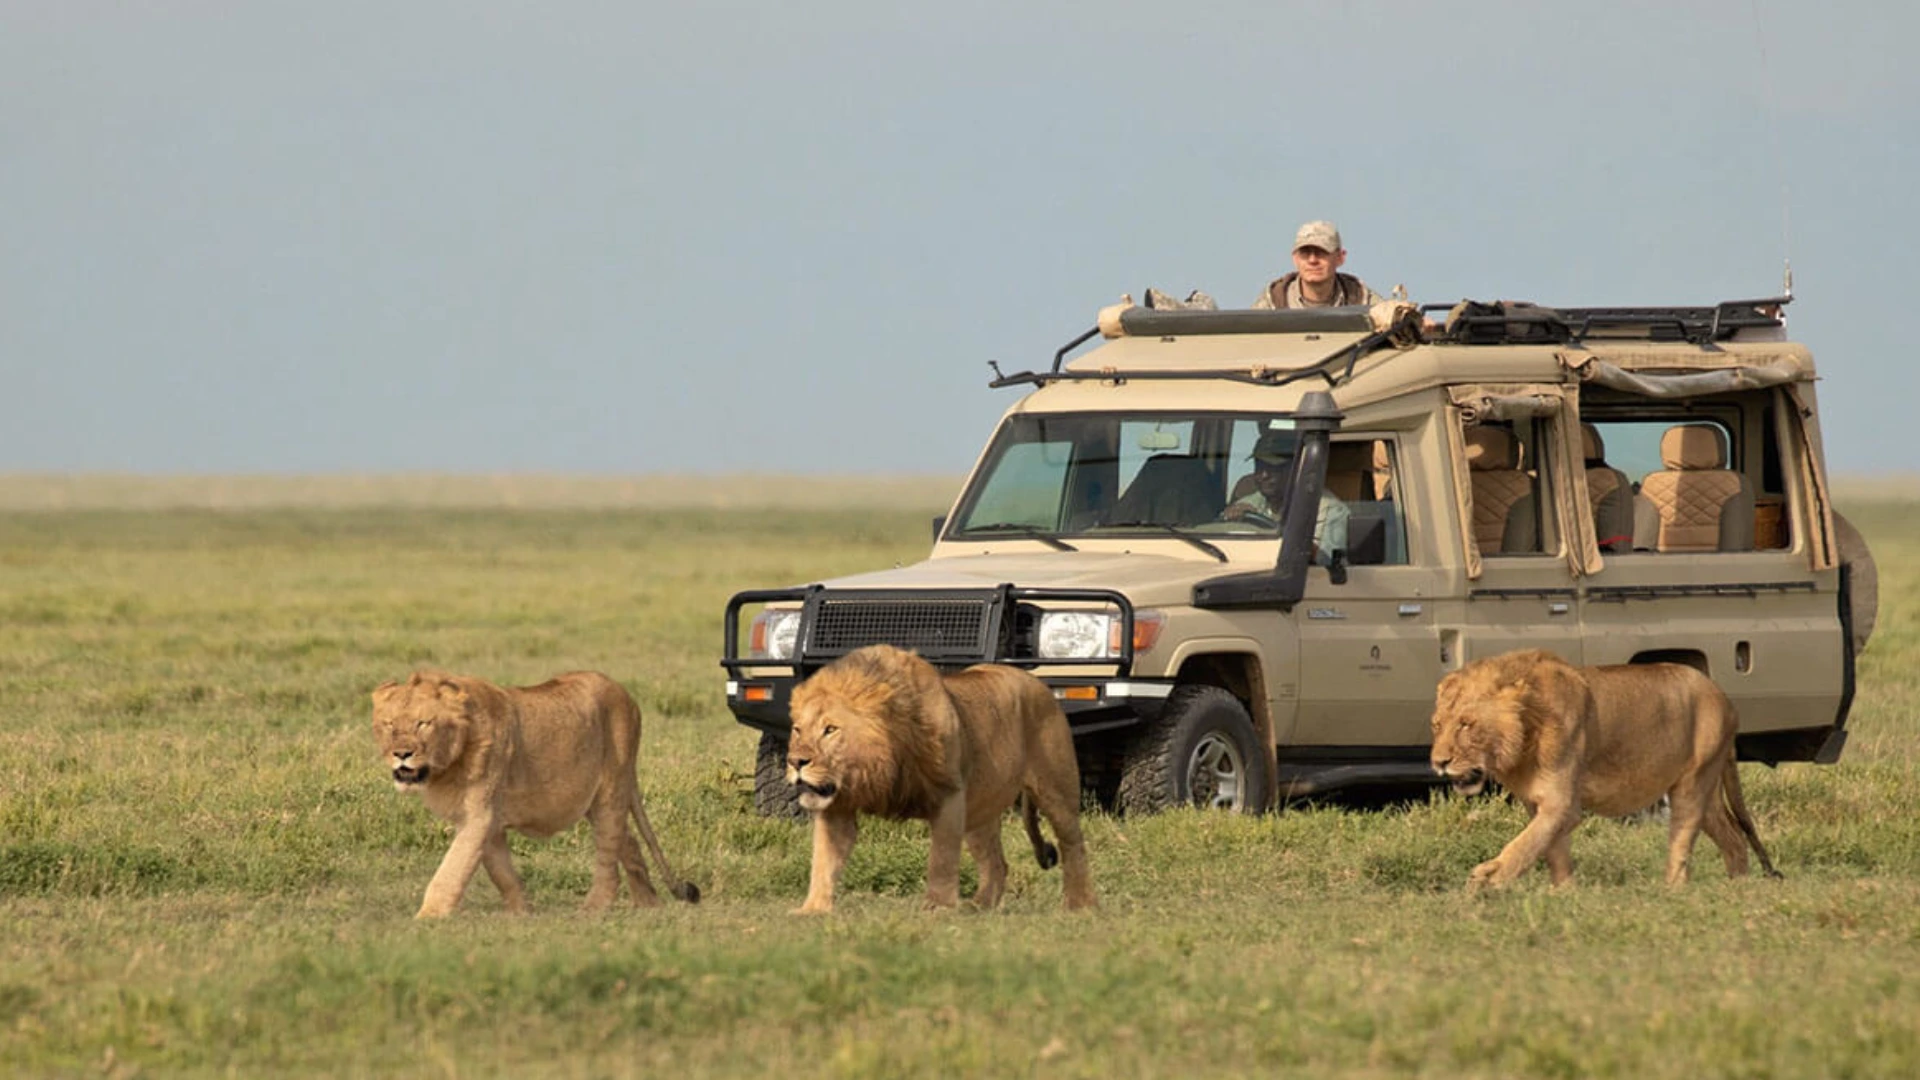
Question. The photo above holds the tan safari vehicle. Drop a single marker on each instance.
(1617, 485)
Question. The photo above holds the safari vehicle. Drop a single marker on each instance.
(1617, 485)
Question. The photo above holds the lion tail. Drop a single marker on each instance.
(681, 889)
(1044, 852)
(1737, 805)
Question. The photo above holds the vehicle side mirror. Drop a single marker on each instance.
(1337, 566)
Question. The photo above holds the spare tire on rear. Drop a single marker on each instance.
(1863, 580)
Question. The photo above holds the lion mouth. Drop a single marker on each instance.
(407, 775)
(816, 796)
(1470, 783)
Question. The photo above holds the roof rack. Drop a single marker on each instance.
(1513, 322)
(1150, 322)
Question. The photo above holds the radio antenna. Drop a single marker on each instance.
(1779, 158)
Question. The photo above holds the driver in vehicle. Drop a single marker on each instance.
(1272, 471)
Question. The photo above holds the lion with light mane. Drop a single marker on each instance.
(880, 731)
(532, 759)
(1605, 740)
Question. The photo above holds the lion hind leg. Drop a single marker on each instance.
(681, 888)
(983, 844)
(1690, 809)
(609, 840)
(641, 882)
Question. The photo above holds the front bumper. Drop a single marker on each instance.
(1091, 704)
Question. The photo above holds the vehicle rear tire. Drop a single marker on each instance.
(772, 796)
(1202, 752)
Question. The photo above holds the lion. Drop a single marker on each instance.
(533, 759)
(880, 731)
(1605, 740)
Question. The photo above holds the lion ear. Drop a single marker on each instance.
(452, 693)
(385, 690)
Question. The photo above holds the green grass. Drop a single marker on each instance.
(204, 872)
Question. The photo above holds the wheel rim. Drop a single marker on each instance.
(1217, 774)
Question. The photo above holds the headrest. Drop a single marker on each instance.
(1350, 457)
(1591, 447)
(1491, 448)
(1694, 446)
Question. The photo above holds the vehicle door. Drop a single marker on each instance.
(1513, 493)
(1369, 646)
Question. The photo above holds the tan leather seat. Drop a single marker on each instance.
(1702, 504)
(1350, 471)
(1610, 493)
(1493, 463)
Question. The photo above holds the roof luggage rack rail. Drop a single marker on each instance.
(1472, 322)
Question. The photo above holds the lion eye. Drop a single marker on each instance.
(828, 730)
(421, 726)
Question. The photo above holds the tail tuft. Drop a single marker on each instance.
(1047, 855)
(687, 891)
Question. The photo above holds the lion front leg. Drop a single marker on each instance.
(450, 881)
(1551, 828)
(497, 857)
(834, 832)
(949, 826)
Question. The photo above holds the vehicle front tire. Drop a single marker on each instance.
(1202, 752)
(772, 796)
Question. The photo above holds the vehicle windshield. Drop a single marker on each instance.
(1109, 473)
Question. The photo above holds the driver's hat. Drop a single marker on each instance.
(1274, 447)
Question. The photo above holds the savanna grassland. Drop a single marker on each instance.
(204, 871)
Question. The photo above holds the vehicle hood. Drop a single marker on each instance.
(1145, 579)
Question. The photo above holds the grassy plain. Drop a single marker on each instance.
(203, 871)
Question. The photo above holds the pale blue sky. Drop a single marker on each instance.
(637, 237)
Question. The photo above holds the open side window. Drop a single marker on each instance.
(1515, 488)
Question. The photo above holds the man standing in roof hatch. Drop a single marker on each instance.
(1316, 280)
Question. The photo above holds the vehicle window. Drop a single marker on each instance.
(1025, 488)
(1706, 499)
(1360, 473)
(1512, 507)
(1141, 473)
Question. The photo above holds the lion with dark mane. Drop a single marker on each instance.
(532, 759)
(880, 731)
(1605, 740)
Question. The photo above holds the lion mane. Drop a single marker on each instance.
(531, 759)
(1567, 740)
(881, 731)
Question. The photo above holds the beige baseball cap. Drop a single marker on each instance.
(1319, 234)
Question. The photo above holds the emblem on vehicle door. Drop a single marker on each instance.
(1325, 613)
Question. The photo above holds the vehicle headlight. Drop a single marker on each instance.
(775, 633)
(1074, 635)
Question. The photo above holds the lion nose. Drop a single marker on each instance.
(1440, 764)
(797, 762)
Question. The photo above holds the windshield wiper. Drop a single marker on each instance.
(1027, 531)
(1170, 530)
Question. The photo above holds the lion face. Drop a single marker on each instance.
(839, 740)
(421, 727)
(1475, 730)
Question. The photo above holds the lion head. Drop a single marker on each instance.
(860, 734)
(1479, 726)
(422, 726)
